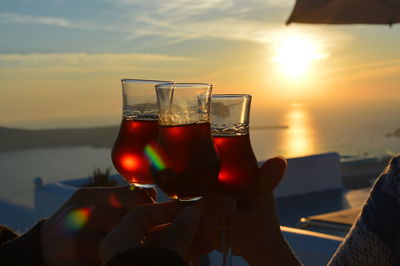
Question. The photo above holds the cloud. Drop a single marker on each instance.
(39, 60)
(20, 18)
(182, 20)
(238, 29)
(55, 21)
(370, 70)
(209, 4)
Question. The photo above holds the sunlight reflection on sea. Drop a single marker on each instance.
(349, 131)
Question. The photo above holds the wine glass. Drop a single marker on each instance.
(230, 115)
(138, 130)
(185, 164)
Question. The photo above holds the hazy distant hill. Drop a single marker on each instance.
(19, 139)
(97, 137)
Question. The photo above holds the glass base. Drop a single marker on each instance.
(185, 202)
(187, 199)
(143, 185)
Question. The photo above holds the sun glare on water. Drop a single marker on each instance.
(296, 53)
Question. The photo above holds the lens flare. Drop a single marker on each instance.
(77, 219)
(154, 158)
(114, 201)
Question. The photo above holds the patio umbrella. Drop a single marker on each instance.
(346, 12)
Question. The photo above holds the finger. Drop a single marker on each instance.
(117, 197)
(270, 174)
(77, 249)
(182, 231)
(158, 228)
(246, 218)
(103, 219)
(155, 235)
(217, 204)
(255, 217)
(144, 217)
(132, 229)
(87, 248)
(204, 245)
(209, 224)
(73, 220)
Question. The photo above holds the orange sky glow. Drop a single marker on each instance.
(277, 64)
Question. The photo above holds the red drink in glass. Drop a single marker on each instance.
(239, 166)
(128, 154)
(188, 163)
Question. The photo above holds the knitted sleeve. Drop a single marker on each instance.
(374, 237)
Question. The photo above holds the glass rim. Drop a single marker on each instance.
(123, 80)
(185, 84)
(229, 95)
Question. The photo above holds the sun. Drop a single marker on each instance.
(295, 53)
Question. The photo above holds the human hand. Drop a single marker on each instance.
(164, 225)
(135, 229)
(72, 234)
(253, 229)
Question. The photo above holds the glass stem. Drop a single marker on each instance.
(226, 243)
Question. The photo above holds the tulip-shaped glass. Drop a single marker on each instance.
(230, 115)
(138, 131)
(185, 164)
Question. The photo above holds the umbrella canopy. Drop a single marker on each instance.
(346, 12)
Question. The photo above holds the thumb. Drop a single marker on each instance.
(117, 197)
(182, 231)
(270, 174)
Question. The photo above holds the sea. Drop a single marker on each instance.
(293, 130)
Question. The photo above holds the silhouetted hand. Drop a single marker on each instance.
(71, 236)
(163, 225)
(253, 229)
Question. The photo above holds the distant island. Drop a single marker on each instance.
(395, 133)
(13, 139)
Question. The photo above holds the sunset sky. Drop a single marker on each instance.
(61, 61)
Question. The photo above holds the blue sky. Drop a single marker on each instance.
(129, 25)
(61, 61)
